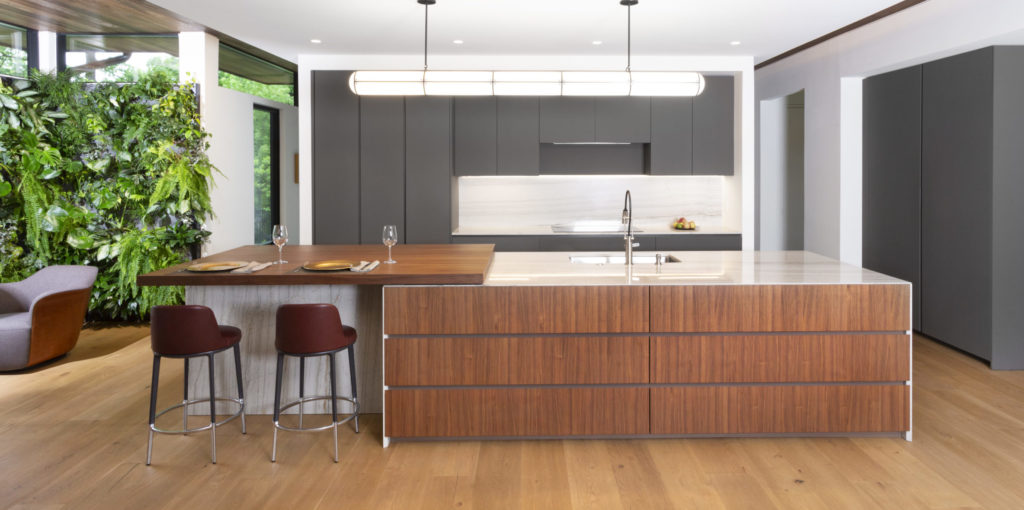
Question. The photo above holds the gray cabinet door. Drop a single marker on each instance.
(518, 136)
(428, 169)
(956, 201)
(713, 127)
(476, 125)
(501, 243)
(671, 136)
(699, 242)
(381, 168)
(335, 159)
(622, 119)
(566, 119)
(892, 178)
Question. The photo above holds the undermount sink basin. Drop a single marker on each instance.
(591, 227)
(618, 259)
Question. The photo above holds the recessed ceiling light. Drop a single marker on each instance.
(735, 43)
(315, 41)
(597, 43)
(458, 41)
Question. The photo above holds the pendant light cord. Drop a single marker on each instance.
(629, 36)
(426, 13)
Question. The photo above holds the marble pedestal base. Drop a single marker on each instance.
(253, 309)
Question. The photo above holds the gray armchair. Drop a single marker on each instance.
(41, 316)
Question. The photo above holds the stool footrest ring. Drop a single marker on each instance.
(355, 413)
(241, 408)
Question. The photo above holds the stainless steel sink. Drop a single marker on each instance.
(619, 259)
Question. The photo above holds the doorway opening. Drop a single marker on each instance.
(266, 172)
(781, 209)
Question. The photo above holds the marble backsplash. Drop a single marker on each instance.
(504, 202)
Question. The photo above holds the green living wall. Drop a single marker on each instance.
(110, 175)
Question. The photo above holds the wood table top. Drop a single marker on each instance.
(417, 264)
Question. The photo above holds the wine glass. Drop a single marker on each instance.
(390, 238)
(280, 236)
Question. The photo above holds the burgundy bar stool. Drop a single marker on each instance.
(191, 331)
(313, 330)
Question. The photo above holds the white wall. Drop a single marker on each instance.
(831, 74)
(227, 115)
(781, 173)
(738, 197)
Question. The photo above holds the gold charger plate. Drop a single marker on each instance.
(214, 267)
(329, 265)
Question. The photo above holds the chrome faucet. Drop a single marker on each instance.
(627, 219)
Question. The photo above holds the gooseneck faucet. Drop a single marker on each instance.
(627, 219)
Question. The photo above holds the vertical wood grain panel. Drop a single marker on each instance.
(780, 358)
(767, 308)
(779, 409)
(445, 310)
(610, 411)
(578, 360)
(477, 412)
(446, 361)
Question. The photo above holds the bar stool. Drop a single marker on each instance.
(313, 330)
(190, 331)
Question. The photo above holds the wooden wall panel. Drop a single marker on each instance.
(610, 411)
(780, 358)
(477, 412)
(779, 409)
(446, 361)
(782, 308)
(578, 360)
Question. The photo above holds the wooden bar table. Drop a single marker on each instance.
(250, 301)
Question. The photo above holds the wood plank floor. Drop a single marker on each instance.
(72, 435)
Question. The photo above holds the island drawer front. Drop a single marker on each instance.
(579, 360)
(805, 409)
(780, 308)
(780, 358)
(514, 412)
(515, 310)
(441, 361)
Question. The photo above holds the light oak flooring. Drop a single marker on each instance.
(73, 435)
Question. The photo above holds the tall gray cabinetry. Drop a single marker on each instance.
(335, 159)
(971, 175)
(428, 169)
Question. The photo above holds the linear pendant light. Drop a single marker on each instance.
(527, 83)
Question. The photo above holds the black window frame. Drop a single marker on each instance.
(31, 47)
(275, 161)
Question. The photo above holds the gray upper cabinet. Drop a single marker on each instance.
(671, 136)
(892, 178)
(713, 127)
(622, 119)
(335, 159)
(381, 168)
(566, 119)
(518, 136)
(428, 167)
(475, 132)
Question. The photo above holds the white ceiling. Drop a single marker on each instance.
(765, 28)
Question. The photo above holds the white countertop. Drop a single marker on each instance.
(545, 230)
(695, 268)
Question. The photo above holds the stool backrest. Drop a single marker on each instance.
(181, 330)
(308, 328)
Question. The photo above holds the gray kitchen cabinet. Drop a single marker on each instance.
(713, 127)
(381, 167)
(475, 135)
(699, 242)
(892, 178)
(671, 136)
(428, 168)
(335, 159)
(518, 136)
(613, 243)
(566, 119)
(501, 243)
(622, 119)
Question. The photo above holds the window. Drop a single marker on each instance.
(13, 50)
(252, 75)
(119, 58)
(266, 172)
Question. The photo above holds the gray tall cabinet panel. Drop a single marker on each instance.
(335, 159)
(428, 169)
(381, 166)
(892, 178)
(622, 119)
(713, 127)
(956, 267)
(475, 132)
(518, 137)
(566, 119)
(671, 136)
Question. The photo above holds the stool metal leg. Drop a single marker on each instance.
(238, 378)
(302, 385)
(152, 407)
(334, 406)
(213, 415)
(277, 403)
(184, 401)
(352, 375)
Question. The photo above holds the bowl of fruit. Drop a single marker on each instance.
(682, 224)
